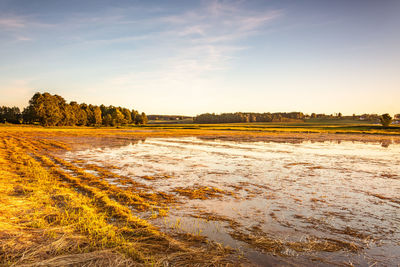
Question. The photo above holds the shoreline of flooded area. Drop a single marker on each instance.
(307, 203)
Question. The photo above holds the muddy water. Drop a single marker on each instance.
(345, 193)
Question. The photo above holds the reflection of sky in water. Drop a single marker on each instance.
(289, 190)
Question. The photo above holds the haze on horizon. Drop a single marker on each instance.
(192, 57)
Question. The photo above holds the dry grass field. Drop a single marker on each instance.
(55, 213)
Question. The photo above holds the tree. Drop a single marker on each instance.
(97, 116)
(135, 116)
(247, 117)
(52, 110)
(386, 119)
(144, 118)
(28, 115)
(127, 115)
(69, 118)
(80, 114)
(107, 120)
(46, 109)
(117, 117)
(10, 115)
(89, 113)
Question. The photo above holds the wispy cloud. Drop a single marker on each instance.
(177, 49)
(205, 38)
(15, 22)
(212, 31)
(7, 23)
(211, 23)
(23, 38)
(21, 28)
(197, 44)
(194, 30)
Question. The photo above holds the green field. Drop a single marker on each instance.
(310, 126)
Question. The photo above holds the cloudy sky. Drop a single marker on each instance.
(191, 57)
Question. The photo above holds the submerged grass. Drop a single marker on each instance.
(53, 213)
(287, 248)
(202, 192)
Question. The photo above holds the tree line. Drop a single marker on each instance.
(10, 115)
(52, 110)
(384, 119)
(248, 117)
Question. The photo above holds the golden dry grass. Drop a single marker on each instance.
(57, 213)
(54, 213)
(202, 192)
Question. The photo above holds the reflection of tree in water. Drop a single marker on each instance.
(103, 142)
(338, 139)
(254, 139)
(386, 143)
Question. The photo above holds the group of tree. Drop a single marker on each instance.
(384, 119)
(325, 116)
(248, 117)
(53, 110)
(10, 115)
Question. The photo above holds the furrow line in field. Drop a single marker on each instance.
(104, 202)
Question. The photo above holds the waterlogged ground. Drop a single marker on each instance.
(306, 203)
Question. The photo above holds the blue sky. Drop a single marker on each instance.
(191, 57)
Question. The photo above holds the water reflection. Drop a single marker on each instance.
(384, 142)
(342, 192)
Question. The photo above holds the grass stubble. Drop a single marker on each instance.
(57, 213)
(53, 213)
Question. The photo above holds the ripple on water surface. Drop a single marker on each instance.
(329, 202)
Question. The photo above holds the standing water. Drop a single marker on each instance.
(308, 203)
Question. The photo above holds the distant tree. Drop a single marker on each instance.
(247, 117)
(339, 115)
(127, 115)
(107, 120)
(277, 118)
(80, 113)
(52, 110)
(46, 109)
(69, 116)
(97, 116)
(103, 110)
(28, 115)
(10, 115)
(90, 120)
(136, 118)
(397, 117)
(117, 117)
(144, 118)
(141, 119)
(386, 119)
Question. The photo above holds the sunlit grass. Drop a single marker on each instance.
(55, 213)
(53, 209)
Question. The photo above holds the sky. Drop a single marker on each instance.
(192, 57)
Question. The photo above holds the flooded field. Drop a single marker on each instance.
(316, 204)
